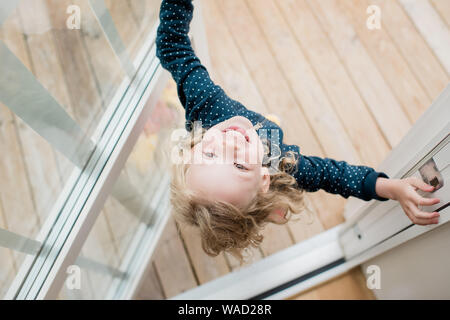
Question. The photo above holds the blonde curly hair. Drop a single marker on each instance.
(224, 227)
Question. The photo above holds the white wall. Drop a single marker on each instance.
(418, 269)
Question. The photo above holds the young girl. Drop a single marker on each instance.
(239, 174)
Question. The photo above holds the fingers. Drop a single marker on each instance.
(414, 200)
(428, 201)
(421, 217)
(418, 183)
(421, 201)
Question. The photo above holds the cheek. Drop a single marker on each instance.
(257, 152)
(240, 197)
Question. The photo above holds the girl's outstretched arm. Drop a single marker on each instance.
(202, 99)
(338, 177)
(365, 183)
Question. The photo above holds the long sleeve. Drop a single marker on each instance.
(337, 177)
(202, 99)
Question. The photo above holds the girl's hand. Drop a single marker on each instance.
(404, 191)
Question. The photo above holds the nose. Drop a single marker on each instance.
(234, 148)
(233, 141)
(228, 145)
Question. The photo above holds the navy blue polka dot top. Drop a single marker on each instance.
(207, 102)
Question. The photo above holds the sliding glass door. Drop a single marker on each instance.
(80, 160)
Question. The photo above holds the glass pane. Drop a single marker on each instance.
(58, 69)
(32, 176)
(137, 198)
(133, 19)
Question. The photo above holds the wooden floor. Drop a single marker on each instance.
(341, 90)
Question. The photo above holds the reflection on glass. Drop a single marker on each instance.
(136, 197)
(32, 176)
(70, 65)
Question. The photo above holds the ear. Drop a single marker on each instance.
(265, 179)
(278, 216)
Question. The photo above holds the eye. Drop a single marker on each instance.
(210, 154)
(240, 166)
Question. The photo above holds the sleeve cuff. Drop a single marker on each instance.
(369, 192)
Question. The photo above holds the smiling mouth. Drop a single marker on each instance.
(238, 129)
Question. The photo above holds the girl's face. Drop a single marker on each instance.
(227, 164)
